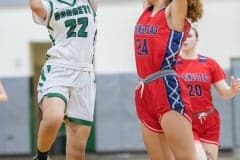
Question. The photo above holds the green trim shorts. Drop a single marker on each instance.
(76, 88)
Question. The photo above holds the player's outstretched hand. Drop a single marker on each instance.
(235, 84)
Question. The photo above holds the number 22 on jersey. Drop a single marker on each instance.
(72, 25)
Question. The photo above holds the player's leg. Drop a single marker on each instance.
(178, 131)
(210, 138)
(53, 98)
(211, 151)
(197, 130)
(79, 115)
(201, 155)
(156, 145)
(52, 118)
(77, 136)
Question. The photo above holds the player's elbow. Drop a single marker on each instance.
(3, 98)
(36, 6)
(226, 95)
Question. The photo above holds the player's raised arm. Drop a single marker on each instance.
(94, 4)
(38, 8)
(178, 13)
(145, 4)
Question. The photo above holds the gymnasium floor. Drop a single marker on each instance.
(123, 156)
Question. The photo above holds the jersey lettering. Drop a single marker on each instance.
(84, 9)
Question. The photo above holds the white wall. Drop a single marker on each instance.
(218, 29)
(16, 31)
(115, 39)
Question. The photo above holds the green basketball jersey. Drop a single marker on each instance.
(72, 29)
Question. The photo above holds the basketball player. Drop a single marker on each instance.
(3, 93)
(200, 73)
(162, 101)
(66, 88)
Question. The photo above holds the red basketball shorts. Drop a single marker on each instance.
(207, 130)
(159, 96)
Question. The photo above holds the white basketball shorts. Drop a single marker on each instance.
(75, 87)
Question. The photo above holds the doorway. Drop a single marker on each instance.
(38, 56)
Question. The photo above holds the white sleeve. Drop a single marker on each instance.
(40, 20)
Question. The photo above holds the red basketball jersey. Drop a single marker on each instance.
(199, 74)
(156, 45)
